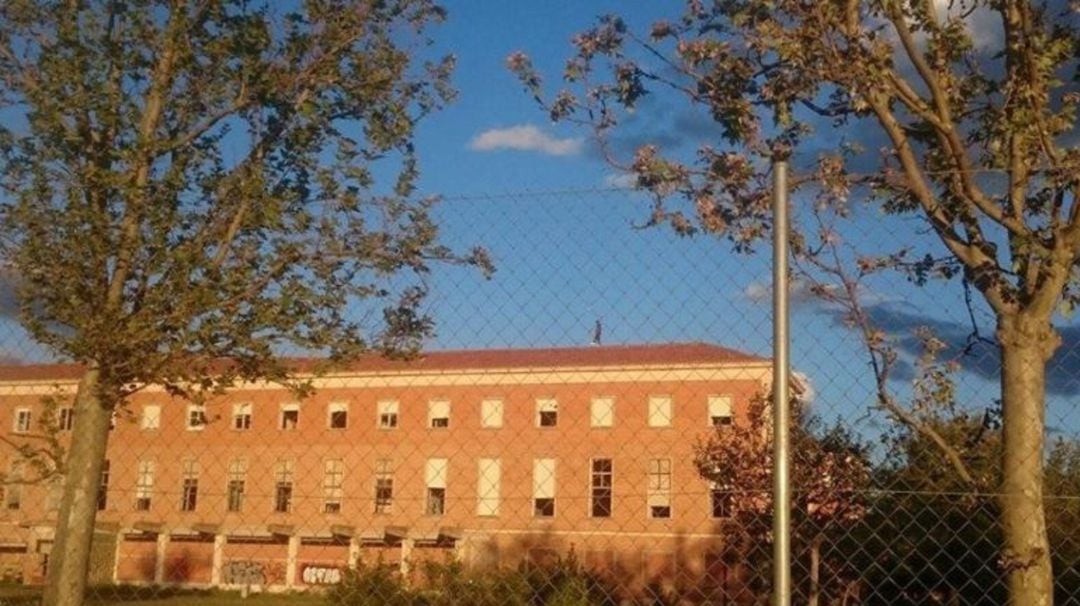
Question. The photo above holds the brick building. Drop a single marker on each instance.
(489, 456)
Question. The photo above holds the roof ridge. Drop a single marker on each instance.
(622, 354)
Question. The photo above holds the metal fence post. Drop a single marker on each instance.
(781, 454)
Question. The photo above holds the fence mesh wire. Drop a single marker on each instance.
(589, 426)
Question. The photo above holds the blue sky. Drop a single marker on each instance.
(566, 259)
(539, 197)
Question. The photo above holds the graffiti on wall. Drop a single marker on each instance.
(249, 572)
(317, 574)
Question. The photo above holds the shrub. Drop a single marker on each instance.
(449, 584)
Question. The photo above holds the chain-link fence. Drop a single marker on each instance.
(589, 426)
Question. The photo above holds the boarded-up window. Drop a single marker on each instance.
(151, 417)
(719, 411)
(659, 492)
(544, 488)
(488, 485)
(388, 414)
(435, 479)
(439, 414)
(491, 413)
(602, 412)
(660, 413)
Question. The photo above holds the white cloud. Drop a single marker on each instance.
(525, 137)
(800, 292)
(620, 180)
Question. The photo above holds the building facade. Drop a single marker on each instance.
(492, 457)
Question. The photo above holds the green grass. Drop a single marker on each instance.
(13, 595)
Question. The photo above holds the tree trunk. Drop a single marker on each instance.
(1026, 346)
(815, 570)
(70, 557)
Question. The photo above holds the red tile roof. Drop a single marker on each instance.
(451, 360)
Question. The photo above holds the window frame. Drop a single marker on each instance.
(384, 486)
(18, 425)
(236, 485)
(387, 414)
(544, 504)
(196, 417)
(599, 489)
(286, 408)
(333, 485)
(337, 412)
(724, 420)
(726, 501)
(284, 485)
(443, 421)
(242, 415)
(65, 418)
(547, 412)
(436, 478)
(664, 469)
(144, 484)
(189, 493)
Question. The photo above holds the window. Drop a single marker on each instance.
(189, 494)
(601, 488)
(659, 496)
(491, 412)
(290, 417)
(13, 491)
(721, 501)
(65, 418)
(236, 486)
(22, 420)
(283, 486)
(103, 487)
(241, 416)
(388, 414)
(660, 414)
(333, 486)
(544, 488)
(547, 412)
(196, 417)
(488, 481)
(338, 415)
(435, 480)
(151, 417)
(602, 412)
(438, 412)
(719, 411)
(144, 485)
(384, 486)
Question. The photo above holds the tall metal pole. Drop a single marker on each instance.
(781, 402)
